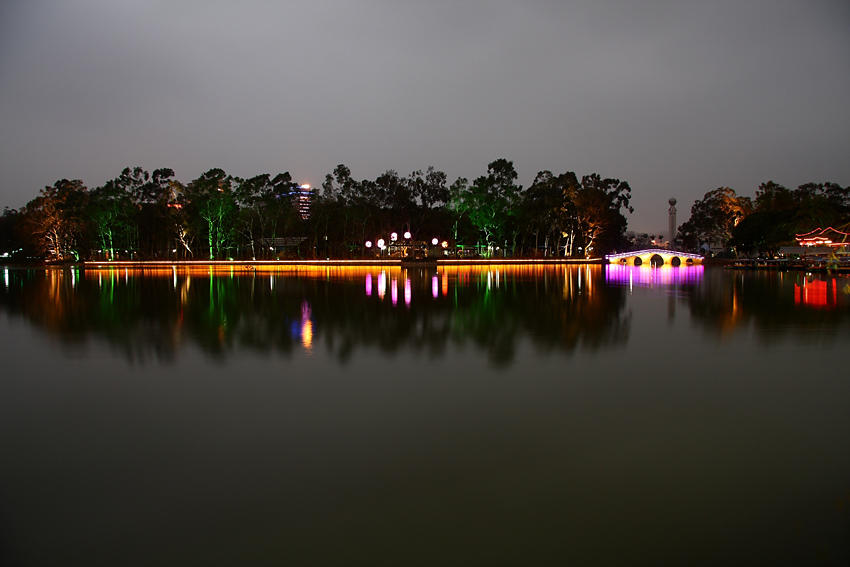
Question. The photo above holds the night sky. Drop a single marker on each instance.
(677, 98)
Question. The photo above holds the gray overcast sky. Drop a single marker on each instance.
(677, 98)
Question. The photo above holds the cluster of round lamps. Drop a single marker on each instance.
(381, 243)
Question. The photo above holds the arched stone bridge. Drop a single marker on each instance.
(654, 257)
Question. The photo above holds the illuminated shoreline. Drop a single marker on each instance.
(273, 264)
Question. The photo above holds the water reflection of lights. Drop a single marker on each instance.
(650, 277)
(574, 279)
(817, 293)
(307, 327)
(382, 284)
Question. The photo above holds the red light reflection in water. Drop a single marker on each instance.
(817, 293)
(649, 277)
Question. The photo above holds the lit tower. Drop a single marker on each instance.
(303, 199)
(672, 215)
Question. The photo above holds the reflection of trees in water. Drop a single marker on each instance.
(771, 303)
(147, 315)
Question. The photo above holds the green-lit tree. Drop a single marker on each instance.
(113, 212)
(492, 203)
(211, 204)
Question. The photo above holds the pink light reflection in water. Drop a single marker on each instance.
(382, 284)
(644, 276)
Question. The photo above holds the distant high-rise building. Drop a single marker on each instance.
(302, 198)
(672, 217)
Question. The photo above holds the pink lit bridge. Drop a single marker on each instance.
(654, 257)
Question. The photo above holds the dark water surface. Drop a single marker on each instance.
(583, 415)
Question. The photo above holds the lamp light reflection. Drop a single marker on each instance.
(644, 276)
(306, 327)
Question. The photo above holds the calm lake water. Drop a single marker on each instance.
(554, 415)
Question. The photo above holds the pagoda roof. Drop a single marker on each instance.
(824, 236)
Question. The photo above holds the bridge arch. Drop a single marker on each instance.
(654, 257)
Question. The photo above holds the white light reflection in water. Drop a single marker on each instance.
(306, 327)
(271, 282)
(6, 276)
(382, 284)
(174, 273)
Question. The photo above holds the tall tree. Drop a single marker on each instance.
(714, 217)
(549, 209)
(113, 211)
(160, 219)
(56, 220)
(598, 203)
(492, 202)
(265, 203)
(212, 204)
(10, 228)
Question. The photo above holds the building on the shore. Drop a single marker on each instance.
(302, 199)
(820, 242)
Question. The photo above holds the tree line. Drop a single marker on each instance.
(764, 224)
(142, 215)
